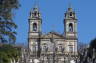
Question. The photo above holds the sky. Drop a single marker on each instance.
(52, 12)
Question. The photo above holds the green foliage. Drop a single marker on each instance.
(8, 52)
(7, 26)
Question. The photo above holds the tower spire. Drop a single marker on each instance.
(36, 3)
(35, 13)
(69, 4)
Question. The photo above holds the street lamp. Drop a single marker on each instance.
(45, 51)
(63, 54)
(54, 46)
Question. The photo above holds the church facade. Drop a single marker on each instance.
(53, 47)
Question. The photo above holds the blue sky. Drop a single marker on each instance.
(52, 12)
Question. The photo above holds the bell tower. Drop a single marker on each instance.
(70, 24)
(35, 23)
(35, 20)
(70, 28)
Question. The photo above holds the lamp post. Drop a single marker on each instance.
(54, 46)
(56, 50)
(62, 50)
(46, 50)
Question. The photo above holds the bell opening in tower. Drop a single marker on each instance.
(34, 27)
(70, 27)
(70, 13)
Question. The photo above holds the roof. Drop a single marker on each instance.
(53, 35)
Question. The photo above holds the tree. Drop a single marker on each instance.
(93, 44)
(88, 54)
(8, 52)
(7, 25)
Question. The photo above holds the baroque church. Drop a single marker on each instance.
(52, 47)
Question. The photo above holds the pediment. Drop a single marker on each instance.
(53, 35)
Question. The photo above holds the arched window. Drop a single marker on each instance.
(35, 13)
(70, 27)
(34, 27)
(70, 13)
(45, 47)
